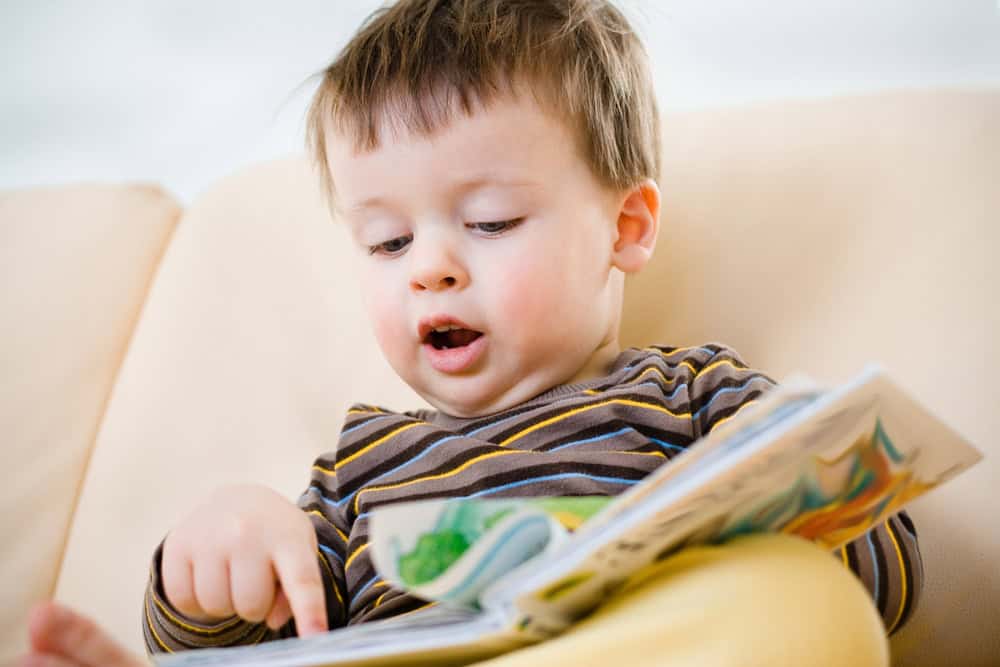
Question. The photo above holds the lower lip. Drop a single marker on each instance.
(455, 359)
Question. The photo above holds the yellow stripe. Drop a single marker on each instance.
(330, 523)
(357, 497)
(380, 598)
(651, 369)
(202, 631)
(325, 471)
(152, 630)
(654, 369)
(720, 362)
(569, 413)
(725, 419)
(667, 355)
(350, 559)
(358, 411)
(426, 606)
(690, 366)
(902, 575)
(190, 628)
(333, 580)
(378, 442)
(660, 454)
(261, 634)
(843, 556)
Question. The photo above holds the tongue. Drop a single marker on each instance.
(460, 337)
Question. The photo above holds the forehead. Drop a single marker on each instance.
(510, 140)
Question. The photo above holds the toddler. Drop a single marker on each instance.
(496, 162)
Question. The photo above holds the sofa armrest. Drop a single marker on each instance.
(75, 265)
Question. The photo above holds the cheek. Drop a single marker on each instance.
(532, 293)
(385, 315)
(555, 289)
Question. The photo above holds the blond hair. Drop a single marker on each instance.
(411, 62)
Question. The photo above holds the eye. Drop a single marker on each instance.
(391, 247)
(495, 228)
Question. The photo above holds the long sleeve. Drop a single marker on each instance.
(166, 630)
(887, 560)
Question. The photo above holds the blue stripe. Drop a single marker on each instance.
(366, 423)
(658, 385)
(364, 588)
(629, 386)
(597, 438)
(871, 547)
(524, 482)
(667, 445)
(330, 552)
(662, 356)
(347, 498)
(519, 415)
(728, 390)
(567, 475)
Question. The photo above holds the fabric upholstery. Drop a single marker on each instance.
(75, 264)
(850, 229)
(250, 348)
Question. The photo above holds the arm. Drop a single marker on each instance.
(224, 536)
(887, 560)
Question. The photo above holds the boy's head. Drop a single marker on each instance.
(496, 163)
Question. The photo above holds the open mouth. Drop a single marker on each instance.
(449, 337)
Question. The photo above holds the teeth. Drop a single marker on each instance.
(449, 327)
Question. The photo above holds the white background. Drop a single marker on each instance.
(183, 92)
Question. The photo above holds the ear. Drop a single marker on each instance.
(637, 227)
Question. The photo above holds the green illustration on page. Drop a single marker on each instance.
(451, 550)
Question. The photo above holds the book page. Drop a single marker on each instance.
(828, 471)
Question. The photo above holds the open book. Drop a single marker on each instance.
(827, 465)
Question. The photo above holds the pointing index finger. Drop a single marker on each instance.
(302, 584)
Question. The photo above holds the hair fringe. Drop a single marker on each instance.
(414, 64)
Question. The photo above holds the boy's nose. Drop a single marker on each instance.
(435, 269)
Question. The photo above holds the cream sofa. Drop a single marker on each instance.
(152, 353)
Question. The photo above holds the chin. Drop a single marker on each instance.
(469, 405)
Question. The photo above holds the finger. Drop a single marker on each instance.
(60, 632)
(178, 585)
(280, 612)
(44, 660)
(211, 586)
(251, 585)
(298, 572)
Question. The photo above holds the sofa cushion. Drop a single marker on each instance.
(821, 235)
(75, 264)
(250, 348)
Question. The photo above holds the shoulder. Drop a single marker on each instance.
(684, 365)
(711, 382)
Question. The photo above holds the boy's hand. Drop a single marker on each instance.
(246, 551)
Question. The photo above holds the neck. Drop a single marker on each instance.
(599, 363)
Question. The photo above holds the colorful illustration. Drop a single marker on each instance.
(837, 500)
(454, 549)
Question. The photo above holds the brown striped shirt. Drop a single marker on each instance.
(593, 438)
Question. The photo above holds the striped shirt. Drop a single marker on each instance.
(593, 438)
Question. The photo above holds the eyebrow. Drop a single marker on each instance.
(462, 187)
